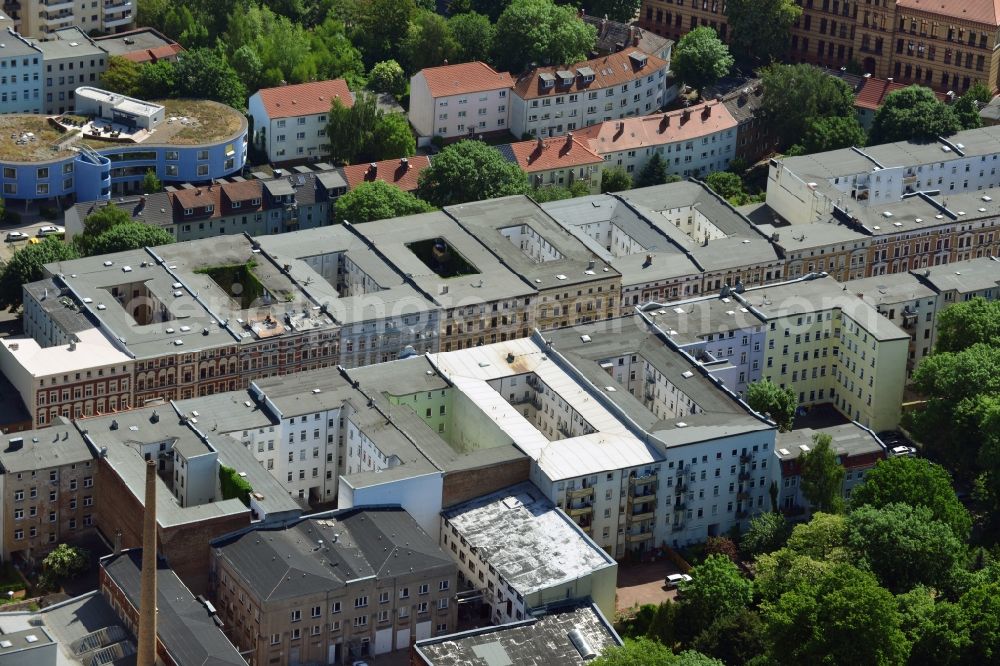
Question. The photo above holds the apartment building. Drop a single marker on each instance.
(551, 636)
(947, 46)
(289, 122)
(522, 554)
(459, 101)
(38, 19)
(557, 162)
(755, 136)
(614, 36)
(835, 249)
(550, 101)
(872, 93)
(187, 627)
(142, 45)
(333, 587)
(404, 173)
(21, 82)
(858, 450)
(71, 59)
(47, 488)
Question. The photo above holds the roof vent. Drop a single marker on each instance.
(578, 640)
(585, 338)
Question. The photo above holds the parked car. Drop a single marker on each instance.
(673, 580)
(16, 236)
(903, 451)
(51, 230)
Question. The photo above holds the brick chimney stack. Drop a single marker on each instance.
(147, 595)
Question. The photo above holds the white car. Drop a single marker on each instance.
(51, 230)
(903, 451)
(673, 580)
(16, 236)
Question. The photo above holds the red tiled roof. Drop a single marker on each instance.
(304, 99)
(467, 77)
(978, 11)
(389, 171)
(609, 70)
(221, 197)
(165, 52)
(556, 153)
(873, 92)
(657, 129)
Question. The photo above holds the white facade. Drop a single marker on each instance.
(20, 75)
(558, 113)
(454, 116)
(419, 495)
(286, 139)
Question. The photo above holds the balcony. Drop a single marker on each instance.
(640, 537)
(580, 493)
(648, 495)
(743, 496)
(679, 506)
(115, 22)
(645, 515)
(56, 5)
(57, 19)
(115, 6)
(582, 510)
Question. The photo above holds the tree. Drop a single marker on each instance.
(716, 589)
(364, 133)
(795, 95)
(916, 482)
(26, 265)
(844, 617)
(940, 633)
(474, 34)
(378, 200)
(733, 639)
(644, 652)
(768, 532)
(428, 42)
(662, 626)
(822, 477)
(615, 179)
(545, 193)
(653, 173)
(831, 133)
(203, 74)
(700, 58)
(779, 404)
(761, 29)
(381, 28)
(967, 323)
(122, 76)
(623, 11)
(129, 236)
(248, 65)
(470, 171)
(62, 562)
(157, 80)
(391, 139)
(150, 183)
(981, 606)
(729, 186)
(539, 31)
(334, 56)
(387, 77)
(966, 111)
(912, 114)
(716, 545)
(903, 545)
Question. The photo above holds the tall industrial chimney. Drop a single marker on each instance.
(147, 595)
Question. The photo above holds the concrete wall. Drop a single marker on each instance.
(419, 495)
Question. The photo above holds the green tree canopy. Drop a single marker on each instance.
(364, 133)
(475, 35)
(129, 236)
(334, 55)
(545, 193)
(387, 77)
(122, 76)
(903, 546)
(157, 80)
(822, 538)
(381, 27)
(821, 476)
(392, 138)
(765, 397)
(615, 179)
(700, 58)
(761, 29)
(645, 652)
(729, 186)
(916, 482)
(967, 323)
(63, 562)
(733, 639)
(26, 265)
(539, 31)
(831, 133)
(150, 182)
(623, 11)
(981, 606)
(716, 589)
(843, 617)
(767, 533)
(428, 42)
(378, 200)
(470, 171)
(203, 74)
(795, 95)
(653, 173)
(912, 114)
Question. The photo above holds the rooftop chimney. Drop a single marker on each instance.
(569, 139)
(664, 122)
(405, 163)
(147, 595)
(706, 112)
(372, 169)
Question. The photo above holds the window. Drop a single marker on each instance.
(316, 611)
(361, 601)
(383, 597)
(361, 621)
(275, 639)
(443, 603)
(296, 615)
(423, 588)
(443, 585)
(404, 593)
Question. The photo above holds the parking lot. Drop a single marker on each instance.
(644, 583)
(29, 226)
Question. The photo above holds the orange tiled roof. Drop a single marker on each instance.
(304, 99)
(657, 129)
(609, 70)
(221, 197)
(978, 11)
(467, 77)
(873, 92)
(389, 171)
(165, 52)
(555, 153)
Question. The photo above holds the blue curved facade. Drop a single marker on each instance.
(89, 175)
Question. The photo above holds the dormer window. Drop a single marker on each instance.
(565, 77)
(237, 204)
(188, 211)
(255, 202)
(209, 208)
(586, 74)
(547, 80)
